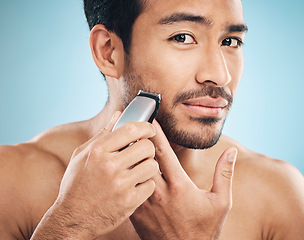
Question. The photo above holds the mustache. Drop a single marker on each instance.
(205, 91)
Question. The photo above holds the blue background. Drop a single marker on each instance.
(47, 75)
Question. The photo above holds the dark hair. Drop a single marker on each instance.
(118, 16)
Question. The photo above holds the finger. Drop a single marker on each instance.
(222, 182)
(140, 150)
(167, 160)
(107, 129)
(143, 171)
(126, 134)
(160, 185)
(143, 191)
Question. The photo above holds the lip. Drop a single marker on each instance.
(206, 106)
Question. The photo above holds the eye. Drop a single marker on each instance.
(232, 42)
(183, 38)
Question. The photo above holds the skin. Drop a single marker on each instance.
(73, 182)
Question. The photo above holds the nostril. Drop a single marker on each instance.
(209, 82)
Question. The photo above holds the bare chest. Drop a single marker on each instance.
(235, 228)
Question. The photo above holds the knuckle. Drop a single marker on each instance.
(147, 126)
(109, 168)
(225, 205)
(119, 185)
(150, 167)
(131, 128)
(227, 173)
(157, 196)
(102, 131)
(176, 187)
(96, 150)
(150, 128)
(147, 147)
(161, 151)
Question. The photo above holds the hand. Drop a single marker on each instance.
(178, 209)
(103, 185)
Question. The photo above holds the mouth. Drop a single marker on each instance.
(206, 106)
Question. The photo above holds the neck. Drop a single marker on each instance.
(196, 161)
(114, 103)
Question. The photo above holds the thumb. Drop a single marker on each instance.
(222, 182)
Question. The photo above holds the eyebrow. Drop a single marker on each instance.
(184, 17)
(237, 28)
(188, 17)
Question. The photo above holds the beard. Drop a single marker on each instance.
(209, 129)
(205, 137)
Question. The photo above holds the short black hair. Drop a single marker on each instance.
(117, 16)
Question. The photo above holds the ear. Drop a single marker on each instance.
(107, 51)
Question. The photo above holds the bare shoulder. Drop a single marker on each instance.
(63, 139)
(29, 181)
(275, 190)
(30, 177)
(259, 167)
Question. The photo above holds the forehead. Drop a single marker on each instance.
(219, 11)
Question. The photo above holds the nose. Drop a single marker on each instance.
(213, 68)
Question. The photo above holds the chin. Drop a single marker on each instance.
(198, 134)
(199, 140)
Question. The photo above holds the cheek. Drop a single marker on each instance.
(235, 65)
(163, 71)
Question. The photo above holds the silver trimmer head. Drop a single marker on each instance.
(144, 107)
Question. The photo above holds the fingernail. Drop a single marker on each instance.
(232, 156)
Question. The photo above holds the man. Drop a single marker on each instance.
(77, 181)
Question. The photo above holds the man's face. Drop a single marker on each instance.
(189, 52)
